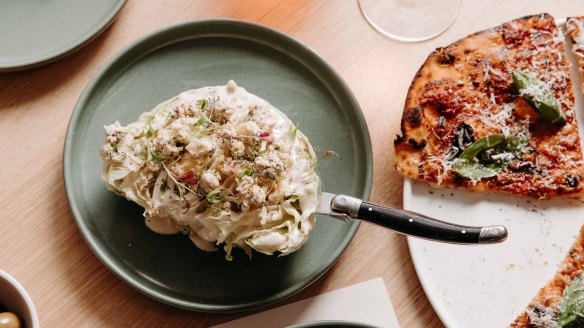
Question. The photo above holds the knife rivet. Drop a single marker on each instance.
(370, 209)
(463, 231)
(411, 220)
(343, 200)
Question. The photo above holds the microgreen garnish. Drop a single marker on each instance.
(244, 172)
(203, 103)
(293, 130)
(149, 132)
(327, 154)
(153, 156)
(150, 155)
(181, 186)
(215, 196)
(209, 160)
(200, 122)
(204, 132)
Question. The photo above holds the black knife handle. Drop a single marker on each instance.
(418, 225)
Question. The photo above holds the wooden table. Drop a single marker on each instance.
(39, 241)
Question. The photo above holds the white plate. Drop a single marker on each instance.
(489, 286)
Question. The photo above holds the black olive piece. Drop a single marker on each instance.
(572, 181)
(463, 137)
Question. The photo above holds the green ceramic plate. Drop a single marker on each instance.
(33, 32)
(192, 55)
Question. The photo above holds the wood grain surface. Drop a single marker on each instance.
(39, 241)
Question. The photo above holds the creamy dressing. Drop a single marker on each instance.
(221, 165)
(161, 225)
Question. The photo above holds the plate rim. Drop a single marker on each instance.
(98, 77)
(333, 323)
(75, 44)
(436, 305)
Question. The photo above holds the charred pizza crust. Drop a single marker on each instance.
(542, 311)
(575, 30)
(465, 90)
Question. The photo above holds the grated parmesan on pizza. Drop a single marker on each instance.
(575, 31)
(467, 123)
(551, 307)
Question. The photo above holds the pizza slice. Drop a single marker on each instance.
(560, 303)
(575, 31)
(494, 111)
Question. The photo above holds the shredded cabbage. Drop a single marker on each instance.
(222, 166)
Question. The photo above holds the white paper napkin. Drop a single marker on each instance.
(366, 302)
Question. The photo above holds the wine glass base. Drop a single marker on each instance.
(410, 20)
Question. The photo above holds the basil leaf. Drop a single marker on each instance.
(540, 96)
(571, 308)
(484, 143)
(488, 156)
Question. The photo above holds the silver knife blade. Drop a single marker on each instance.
(324, 203)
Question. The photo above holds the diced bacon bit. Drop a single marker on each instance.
(266, 136)
(189, 177)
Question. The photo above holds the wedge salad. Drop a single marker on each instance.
(220, 165)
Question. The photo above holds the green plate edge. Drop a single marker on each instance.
(326, 72)
(333, 324)
(76, 45)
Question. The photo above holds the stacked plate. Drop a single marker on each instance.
(39, 32)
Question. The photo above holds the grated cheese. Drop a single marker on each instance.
(534, 90)
(575, 27)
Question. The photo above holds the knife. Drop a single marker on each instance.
(347, 208)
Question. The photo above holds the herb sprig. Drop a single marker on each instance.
(181, 186)
(293, 131)
(327, 154)
(248, 171)
(215, 196)
(150, 155)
